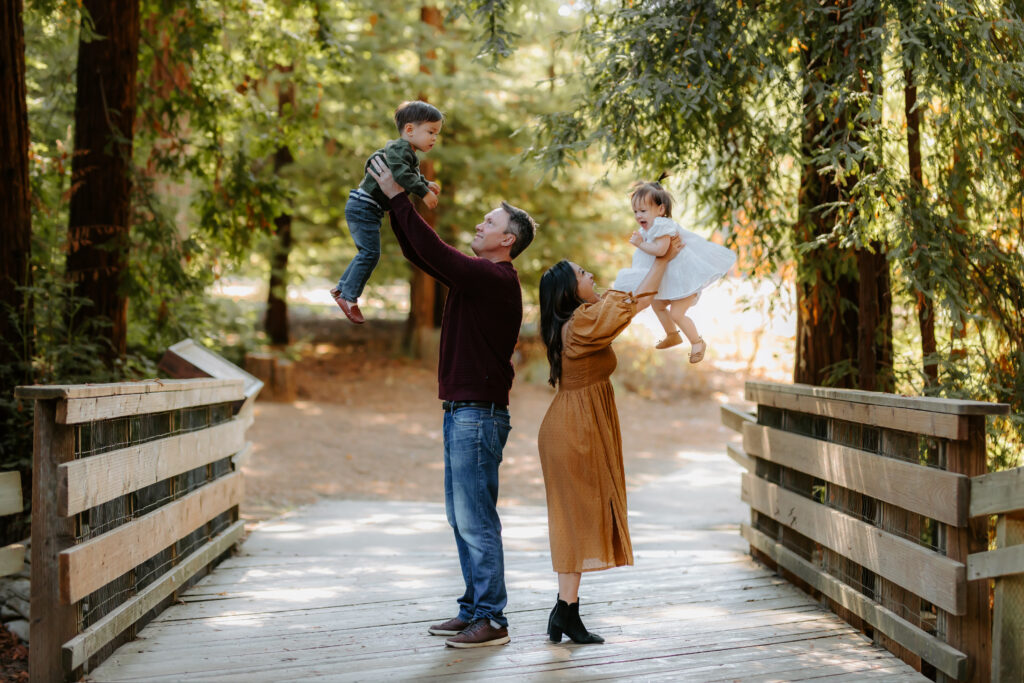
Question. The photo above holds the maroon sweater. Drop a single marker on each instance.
(482, 313)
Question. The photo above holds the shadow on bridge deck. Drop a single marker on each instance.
(345, 590)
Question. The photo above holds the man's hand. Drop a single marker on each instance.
(675, 245)
(636, 239)
(382, 174)
(430, 199)
(433, 187)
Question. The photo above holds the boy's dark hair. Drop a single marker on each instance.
(652, 192)
(416, 111)
(522, 226)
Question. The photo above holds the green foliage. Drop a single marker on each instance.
(738, 97)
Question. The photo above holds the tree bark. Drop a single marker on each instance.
(423, 289)
(925, 310)
(100, 211)
(15, 209)
(276, 323)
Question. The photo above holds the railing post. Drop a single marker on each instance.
(1008, 609)
(972, 632)
(53, 623)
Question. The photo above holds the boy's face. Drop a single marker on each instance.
(422, 135)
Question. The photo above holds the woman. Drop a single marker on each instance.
(579, 441)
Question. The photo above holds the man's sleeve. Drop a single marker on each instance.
(406, 170)
(443, 261)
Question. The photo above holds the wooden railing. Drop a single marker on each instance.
(135, 494)
(880, 505)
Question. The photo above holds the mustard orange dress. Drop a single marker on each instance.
(581, 446)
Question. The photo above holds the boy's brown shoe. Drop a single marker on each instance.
(452, 627)
(349, 308)
(479, 634)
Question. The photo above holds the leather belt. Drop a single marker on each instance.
(450, 406)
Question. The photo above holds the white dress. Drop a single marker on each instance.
(698, 265)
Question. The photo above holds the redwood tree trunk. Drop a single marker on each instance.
(276, 323)
(100, 211)
(423, 289)
(15, 211)
(925, 310)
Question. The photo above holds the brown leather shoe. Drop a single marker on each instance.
(349, 308)
(479, 634)
(452, 627)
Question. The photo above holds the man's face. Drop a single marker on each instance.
(490, 233)
(423, 135)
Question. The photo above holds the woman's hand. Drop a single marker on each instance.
(636, 239)
(675, 245)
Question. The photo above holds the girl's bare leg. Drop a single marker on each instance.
(677, 314)
(569, 587)
(660, 307)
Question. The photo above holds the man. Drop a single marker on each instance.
(479, 330)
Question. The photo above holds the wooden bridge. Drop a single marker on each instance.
(867, 515)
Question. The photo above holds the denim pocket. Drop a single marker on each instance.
(466, 417)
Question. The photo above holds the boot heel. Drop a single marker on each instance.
(555, 634)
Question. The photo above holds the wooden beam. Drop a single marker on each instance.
(87, 482)
(914, 567)
(241, 458)
(993, 563)
(78, 650)
(12, 559)
(929, 404)
(997, 492)
(53, 623)
(970, 631)
(946, 426)
(741, 458)
(937, 653)
(77, 410)
(1008, 608)
(46, 391)
(735, 417)
(10, 493)
(925, 490)
(91, 565)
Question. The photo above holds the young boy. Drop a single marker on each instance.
(418, 126)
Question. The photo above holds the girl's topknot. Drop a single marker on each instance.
(654, 193)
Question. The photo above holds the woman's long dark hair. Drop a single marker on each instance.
(559, 297)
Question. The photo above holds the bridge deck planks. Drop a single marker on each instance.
(346, 590)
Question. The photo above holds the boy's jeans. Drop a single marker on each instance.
(364, 221)
(473, 442)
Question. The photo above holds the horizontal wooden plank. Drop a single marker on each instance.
(78, 410)
(934, 577)
(994, 563)
(735, 417)
(949, 406)
(78, 650)
(941, 655)
(87, 482)
(12, 559)
(43, 391)
(90, 565)
(10, 493)
(925, 490)
(741, 458)
(919, 422)
(997, 492)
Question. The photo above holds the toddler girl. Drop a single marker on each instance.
(698, 265)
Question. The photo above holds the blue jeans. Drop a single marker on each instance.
(364, 221)
(473, 442)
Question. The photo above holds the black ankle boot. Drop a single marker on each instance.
(565, 618)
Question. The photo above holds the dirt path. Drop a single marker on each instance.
(368, 427)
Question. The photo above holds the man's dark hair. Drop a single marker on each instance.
(416, 111)
(522, 226)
